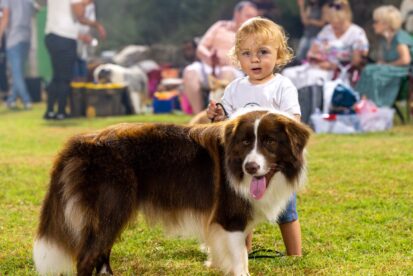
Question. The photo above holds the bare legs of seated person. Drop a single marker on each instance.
(195, 77)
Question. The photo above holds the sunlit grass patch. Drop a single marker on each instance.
(355, 212)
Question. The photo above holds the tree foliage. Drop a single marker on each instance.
(172, 21)
(159, 21)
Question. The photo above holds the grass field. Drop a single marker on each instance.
(356, 211)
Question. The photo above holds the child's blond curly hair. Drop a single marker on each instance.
(263, 31)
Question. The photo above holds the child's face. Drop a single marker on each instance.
(257, 60)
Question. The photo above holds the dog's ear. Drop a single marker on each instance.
(208, 136)
(299, 134)
(230, 130)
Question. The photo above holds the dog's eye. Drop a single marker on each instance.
(246, 142)
(270, 141)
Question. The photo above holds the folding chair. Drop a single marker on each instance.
(405, 94)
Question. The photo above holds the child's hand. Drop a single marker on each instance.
(215, 112)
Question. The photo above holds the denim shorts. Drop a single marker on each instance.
(290, 213)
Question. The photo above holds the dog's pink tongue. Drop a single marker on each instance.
(257, 187)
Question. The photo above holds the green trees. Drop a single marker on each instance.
(172, 21)
(159, 21)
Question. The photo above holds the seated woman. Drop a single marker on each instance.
(380, 82)
(338, 44)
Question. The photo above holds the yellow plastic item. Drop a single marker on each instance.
(97, 86)
(166, 95)
(90, 112)
(75, 84)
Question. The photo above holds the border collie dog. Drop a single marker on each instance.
(134, 78)
(214, 181)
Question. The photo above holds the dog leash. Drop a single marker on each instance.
(262, 253)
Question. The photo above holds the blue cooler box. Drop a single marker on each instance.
(165, 102)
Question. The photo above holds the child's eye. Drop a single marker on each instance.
(245, 54)
(263, 52)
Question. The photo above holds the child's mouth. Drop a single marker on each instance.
(256, 70)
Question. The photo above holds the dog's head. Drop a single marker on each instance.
(103, 75)
(109, 73)
(259, 144)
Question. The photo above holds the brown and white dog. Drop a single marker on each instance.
(215, 181)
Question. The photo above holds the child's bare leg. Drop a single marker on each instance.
(291, 233)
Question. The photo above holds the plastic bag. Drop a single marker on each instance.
(333, 123)
(365, 106)
(380, 120)
(328, 89)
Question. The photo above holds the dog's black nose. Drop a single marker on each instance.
(252, 167)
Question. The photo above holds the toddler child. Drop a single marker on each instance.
(260, 50)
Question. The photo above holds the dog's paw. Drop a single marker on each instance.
(209, 264)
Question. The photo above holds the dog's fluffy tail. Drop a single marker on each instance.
(50, 258)
(62, 218)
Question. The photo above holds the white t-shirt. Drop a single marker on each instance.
(341, 48)
(60, 19)
(278, 93)
(84, 49)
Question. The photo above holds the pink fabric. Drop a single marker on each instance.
(185, 105)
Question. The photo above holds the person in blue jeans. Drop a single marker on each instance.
(16, 23)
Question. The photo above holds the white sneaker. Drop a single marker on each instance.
(11, 105)
(28, 106)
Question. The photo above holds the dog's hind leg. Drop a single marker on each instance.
(95, 250)
(113, 208)
(87, 259)
(103, 264)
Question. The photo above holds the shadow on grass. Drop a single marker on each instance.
(13, 111)
(61, 123)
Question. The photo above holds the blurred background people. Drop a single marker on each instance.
(4, 83)
(62, 32)
(267, 8)
(212, 52)
(312, 14)
(85, 44)
(406, 9)
(380, 82)
(340, 43)
(16, 23)
(188, 49)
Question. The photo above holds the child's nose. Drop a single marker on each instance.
(255, 58)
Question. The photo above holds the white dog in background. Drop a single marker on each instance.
(134, 78)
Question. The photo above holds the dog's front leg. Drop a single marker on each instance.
(228, 251)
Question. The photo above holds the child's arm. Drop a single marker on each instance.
(215, 112)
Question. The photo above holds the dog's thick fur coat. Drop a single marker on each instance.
(191, 179)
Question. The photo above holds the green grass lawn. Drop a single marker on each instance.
(356, 211)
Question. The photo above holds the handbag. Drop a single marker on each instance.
(343, 100)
